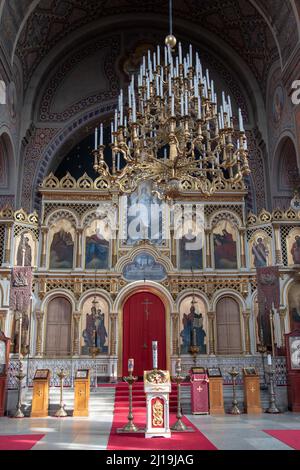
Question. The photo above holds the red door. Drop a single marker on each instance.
(144, 321)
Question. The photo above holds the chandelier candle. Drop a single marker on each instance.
(174, 107)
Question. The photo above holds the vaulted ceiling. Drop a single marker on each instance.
(260, 31)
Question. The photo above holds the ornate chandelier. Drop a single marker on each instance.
(170, 130)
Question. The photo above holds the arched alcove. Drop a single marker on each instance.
(287, 177)
(7, 170)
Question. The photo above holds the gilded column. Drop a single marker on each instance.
(242, 245)
(113, 333)
(211, 332)
(79, 232)
(278, 252)
(282, 315)
(175, 333)
(246, 316)
(208, 252)
(173, 247)
(76, 339)
(114, 248)
(44, 241)
(8, 243)
(39, 332)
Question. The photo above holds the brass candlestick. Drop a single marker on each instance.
(179, 426)
(272, 405)
(20, 376)
(61, 412)
(130, 426)
(235, 409)
(94, 351)
(262, 349)
(194, 350)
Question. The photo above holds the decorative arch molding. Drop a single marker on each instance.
(219, 216)
(58, 214)
(104, 212)
(129, 258)
(284, 296)
(190, 292)
(58, 293)
(95, 292)
(228, 293)
(139, 286)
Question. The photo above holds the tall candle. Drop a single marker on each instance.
(154, 354)
(101, 134)
(96, 138)
(178, 365)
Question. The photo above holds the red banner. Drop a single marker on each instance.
(268, 296)
(20, 288)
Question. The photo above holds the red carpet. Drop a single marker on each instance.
(288, 437)
(179, 441)
(19, 442)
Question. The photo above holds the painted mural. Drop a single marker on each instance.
(25, 250)
(97, 246)
(144, 267)
(294, 306)
(144, 216)
(191, 250)
(62, 237)
(260, 250)
(225, 246)
(95, 325)
(293, 247)
(193, 325)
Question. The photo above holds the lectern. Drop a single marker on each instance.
(292, 343)
(40, 397)
(4, 360)
(216, 398)
(251, 391)
(199, 391)
(157, 386)
(81, 393)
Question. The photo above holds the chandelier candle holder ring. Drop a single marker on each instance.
(169, 127)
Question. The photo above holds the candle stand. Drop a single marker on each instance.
(130, 427)
(235, 409)
(20, 376)
(272, 405)
(179, 426)
(61, 412)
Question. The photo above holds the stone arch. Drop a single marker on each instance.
(7, 167)
(286, 171)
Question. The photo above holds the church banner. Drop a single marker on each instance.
(268, 296)
(21, 288)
